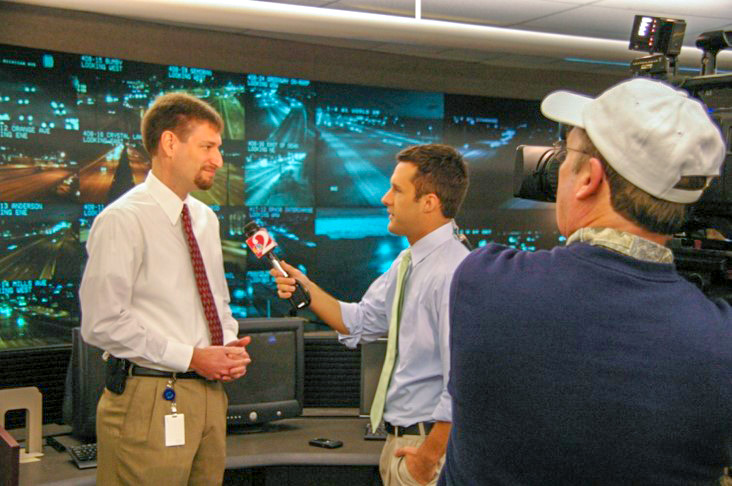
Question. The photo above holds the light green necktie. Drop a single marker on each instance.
(377, 406)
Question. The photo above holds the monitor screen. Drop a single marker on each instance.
(353, 247)
(360, 129)
(487, 131)
(39, 274)
(281, 137)
(272, 388)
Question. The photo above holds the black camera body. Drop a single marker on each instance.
(703, 252)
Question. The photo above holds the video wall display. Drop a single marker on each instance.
(528, 230)
(487, 132)
(280, 161)
(309, 161)
(353, 249)
(360, 129)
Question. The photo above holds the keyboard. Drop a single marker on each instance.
(84, 455)
(378, 434)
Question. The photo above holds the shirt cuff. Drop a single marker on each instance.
(229, 337)
(177, 356)
(349, 313)
(443, 412)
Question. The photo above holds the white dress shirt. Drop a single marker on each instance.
(418, 388)
(138, 295)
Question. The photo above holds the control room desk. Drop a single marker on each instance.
(280, 456)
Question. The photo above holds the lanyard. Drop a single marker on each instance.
(169, 395)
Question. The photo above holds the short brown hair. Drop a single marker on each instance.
(633, 203)
(441, 171)
(175, 112)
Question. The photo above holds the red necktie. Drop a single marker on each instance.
(204, 289)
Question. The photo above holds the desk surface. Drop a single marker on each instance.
(285, 443)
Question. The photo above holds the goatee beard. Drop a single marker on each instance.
(202, 183)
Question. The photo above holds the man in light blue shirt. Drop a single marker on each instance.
(427, 188)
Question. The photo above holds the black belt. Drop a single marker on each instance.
(411, 430)
(135, 370)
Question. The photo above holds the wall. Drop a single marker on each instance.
(101, 35)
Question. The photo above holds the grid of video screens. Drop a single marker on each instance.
(310, 161)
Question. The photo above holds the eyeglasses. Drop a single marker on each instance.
(562, 151)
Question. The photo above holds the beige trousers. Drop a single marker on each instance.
(131, 434)
(393, 469)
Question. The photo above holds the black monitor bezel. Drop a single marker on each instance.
(241, 414)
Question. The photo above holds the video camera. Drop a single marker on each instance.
(705, 261)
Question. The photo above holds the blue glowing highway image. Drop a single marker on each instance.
(331, 145)
(279, 165)
(360, 132)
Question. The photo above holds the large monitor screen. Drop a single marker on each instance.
(360, 129)
(353, 247)
(310, 161)
(280, 163)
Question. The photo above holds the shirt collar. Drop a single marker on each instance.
(427, 244)
(169, 201)
(622, 242)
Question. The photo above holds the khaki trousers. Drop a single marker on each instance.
(393, 469)
(131, 434)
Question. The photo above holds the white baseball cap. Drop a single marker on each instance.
(650, 133)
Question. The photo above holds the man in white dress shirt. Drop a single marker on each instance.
(427, 188)
(154, 297)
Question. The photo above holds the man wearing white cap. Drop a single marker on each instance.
(597, 363)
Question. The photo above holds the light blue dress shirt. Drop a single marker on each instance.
(418, 388)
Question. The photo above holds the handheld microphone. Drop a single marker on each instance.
(262, 245)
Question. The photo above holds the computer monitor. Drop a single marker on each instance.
(372, 360)
(84, 386)
(273, 387)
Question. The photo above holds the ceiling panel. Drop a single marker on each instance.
(674, 8)
(387, 7)
(491, 13)
(610, 23)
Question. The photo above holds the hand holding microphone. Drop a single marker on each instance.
(262, 245)
(287, 279)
